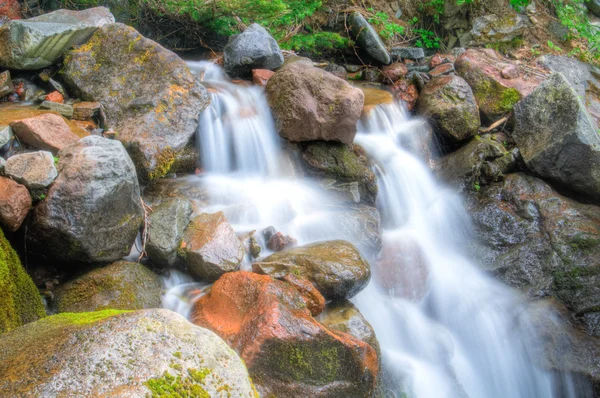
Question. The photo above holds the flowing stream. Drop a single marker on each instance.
(445, 328)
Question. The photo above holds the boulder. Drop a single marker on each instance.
(20, 301)
(310, 104)
(6, 85)
(368, 39)
(395, 71)
(480, 162)
(63, 109)
(38, 42)
(167, 223)
(210, 247)
(412, 53)
(48, 132)
(342, 163)
(496, 95)
(288, 353)
(557, 137)
(92, 212)
(121, 286)
(449, 103)
(254, 48)
(336, 268)
(15, 203)
(119, 353)
(539, 241)
(499, 29)
(149, 96)
(35, 170)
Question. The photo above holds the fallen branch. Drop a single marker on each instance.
(145, 207)
(494, 125)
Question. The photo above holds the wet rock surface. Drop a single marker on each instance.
(368, 38)
(35, 170)
(15, 203)
(168, 221)
(254, 48)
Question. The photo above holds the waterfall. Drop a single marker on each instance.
(445, 328)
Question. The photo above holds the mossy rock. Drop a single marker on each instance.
(122, 285)
(150, 353)
(20, 301)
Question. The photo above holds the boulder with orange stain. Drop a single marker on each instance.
(288, 353)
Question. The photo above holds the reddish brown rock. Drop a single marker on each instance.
(48, 132)
(279, 241)
(435, 61)
(407, 92)
(441, 70)
(15, 203)
(510, 72)
(55, 96)
(288, 353)
(10, 9)
(261, 76)
(85, 110)
(395, 71)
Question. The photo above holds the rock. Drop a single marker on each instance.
(5, 135)
(35, 170)
(86, 110)
(38, 42)
(148, 94)
(582, 77)
(10, 9)
(2, 165)
(493, 29)
(121, 286)
(48, 132)
(480, 162)
(117, 353)
(55, 96)
(211, 247)
(395, 71)
(594, 7)
(277, 242)
(441, 70)
(342, 163)
(288, 353)
(63, 109)
(343, 316)
(254, 48)
(15, 203)
(496, 95)
(412, 53)
(167, 221)
(362, 225)
(92, 212)
(337, 70)
(261, 77)
(6, 85)
(372, 75)
(20, 301)
(557, 137)
(449, 103)
(368, 39)
(310, 104)
(539, 241)
(336, 268)
(510, 72)
(407, 92)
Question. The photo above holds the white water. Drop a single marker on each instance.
(446, 330)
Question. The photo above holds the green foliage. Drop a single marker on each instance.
(316, 42)
(386, 29)
(426, 39)
(516, 4)
(554, 46)
(573, 14)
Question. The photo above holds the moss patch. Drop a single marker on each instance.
(20, 301)
(83, 318)
(165, 161)
(190, 385)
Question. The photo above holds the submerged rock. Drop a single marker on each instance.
(310, 104)
(15, 203)
(449, 103)
(116, 353)
(254, 48)
(48, 132)
(210, 247)
(368, 39)
(38, 42)
(336, 268)
(557, 137)
(92, 212)
(20, 301)
(288, 353)
(149, 96)
(33, 169)
(167, 223)
(121, 286)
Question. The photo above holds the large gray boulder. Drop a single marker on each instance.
(492, 28)
(93, 211)
(168, 221)
(557, 137)
(368, 39)
(38, 42)
(125, 354)
(254, 48)
(149, 96)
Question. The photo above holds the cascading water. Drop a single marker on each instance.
(445, 328)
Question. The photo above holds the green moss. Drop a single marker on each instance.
(169, 386)
(165, 161)
(583, 243)
(20, 301)
(509, 98)
(494, 98)
(83, 318)
(570, 280)
(309, 361)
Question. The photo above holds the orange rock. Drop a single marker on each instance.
(88, 125)
(407, 93)
(15, 203)
(10, 9)
(55, 96)
(435, 61)
(288, 353)
(395, 71)
(48, 132)
(85, 110)
(261, 76)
